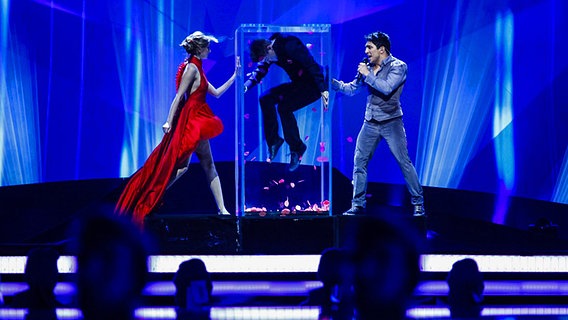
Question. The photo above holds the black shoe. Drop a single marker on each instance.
(419, 210)
(295, 158)
(273, 149)
(357, 210)
(294, 161)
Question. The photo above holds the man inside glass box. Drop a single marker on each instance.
(307, 84)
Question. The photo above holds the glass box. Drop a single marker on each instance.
(266, 186)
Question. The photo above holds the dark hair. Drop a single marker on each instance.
(188, 271)
(41, 268)
(331, 265)
(464, 278)
(379, 39)
(258, 49)
(466, 285)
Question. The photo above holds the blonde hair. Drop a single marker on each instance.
(196, 41)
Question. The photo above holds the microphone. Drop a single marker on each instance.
(359, 75)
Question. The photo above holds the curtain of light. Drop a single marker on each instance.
(457, 80)
(19, 147)
(146, 62)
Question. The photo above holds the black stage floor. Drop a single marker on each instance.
(458, 221)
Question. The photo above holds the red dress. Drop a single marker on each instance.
(193, 122)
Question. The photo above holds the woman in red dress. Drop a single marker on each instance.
(188, 128)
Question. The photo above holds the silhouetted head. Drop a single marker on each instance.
(111, 266)
(332, 266)
(466, 289)
(41, 275)
(191, 271)
(41, 269)
(386, 267)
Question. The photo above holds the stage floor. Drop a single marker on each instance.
(458, 221)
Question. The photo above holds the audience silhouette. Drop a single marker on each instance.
(466, 289)
(385, 258)
(111, 266)
(335, 297)
(41, 275)
(193, 290)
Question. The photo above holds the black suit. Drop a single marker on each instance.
(307, 83)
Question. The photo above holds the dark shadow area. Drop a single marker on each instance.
(458, 221)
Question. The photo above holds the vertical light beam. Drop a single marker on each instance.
(561, 189)
(503, 114)
(5, 14)
(146, 66)
(19, 124)
(81, 94)
(5, 18)
(457, 110)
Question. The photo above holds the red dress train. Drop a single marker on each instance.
(193, 122)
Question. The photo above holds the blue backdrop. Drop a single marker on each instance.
(86, 85)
